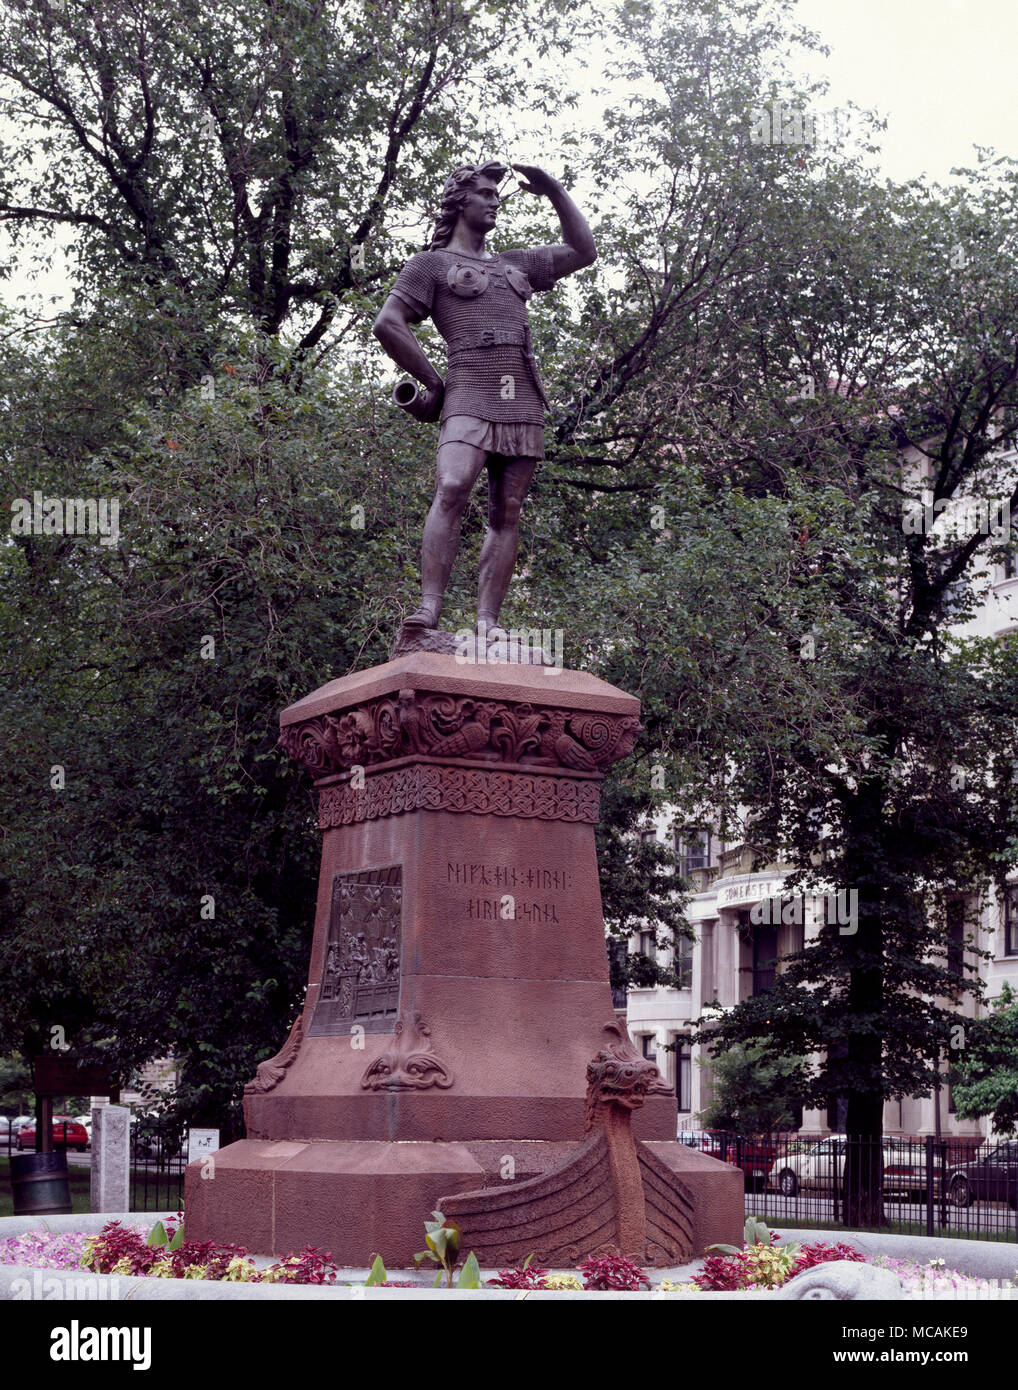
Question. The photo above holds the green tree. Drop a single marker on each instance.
(16, 1087)
(984, 1073)
(755, 1089)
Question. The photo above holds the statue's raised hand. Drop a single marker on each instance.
(537, 181)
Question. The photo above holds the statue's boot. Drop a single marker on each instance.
(428, 614)
(488, 630)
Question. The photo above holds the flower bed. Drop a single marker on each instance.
(762, 1265)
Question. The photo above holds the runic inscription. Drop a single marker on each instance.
(516, 885)
(360, 981)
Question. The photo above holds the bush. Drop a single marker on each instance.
(167, 1255)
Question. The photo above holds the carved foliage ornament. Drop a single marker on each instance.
(271, 1072)
(456, 726)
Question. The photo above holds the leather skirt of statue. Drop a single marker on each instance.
(510, 439)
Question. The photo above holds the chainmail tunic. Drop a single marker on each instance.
(466, 296)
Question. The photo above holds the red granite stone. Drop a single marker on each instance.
(463, 799)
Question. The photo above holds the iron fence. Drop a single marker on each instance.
(965, 1187)
(158, 1161)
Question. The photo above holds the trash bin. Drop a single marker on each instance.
(40, 1185)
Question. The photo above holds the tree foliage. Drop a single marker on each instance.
(754, 1090)
(985, 1074)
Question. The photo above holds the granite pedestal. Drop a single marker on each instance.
(458, 985)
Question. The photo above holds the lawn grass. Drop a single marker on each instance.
(901, 1228)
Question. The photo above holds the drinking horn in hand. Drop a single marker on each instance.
(413, 399)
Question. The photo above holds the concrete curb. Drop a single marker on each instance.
(983, 1259)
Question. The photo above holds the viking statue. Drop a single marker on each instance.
(491, 403)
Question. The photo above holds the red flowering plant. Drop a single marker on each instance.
(764, 1263)
(311, 1266)
(121, 1246)
(612, 1271)
(819, 1253)
(524, 1276)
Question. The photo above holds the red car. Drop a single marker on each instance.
(66, 1133)
(754, 1155)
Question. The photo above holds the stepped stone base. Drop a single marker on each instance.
(364, 1198)
(458, 1039)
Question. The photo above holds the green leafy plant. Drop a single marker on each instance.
(757, 1232)
(158, 1236)
(443, 1238)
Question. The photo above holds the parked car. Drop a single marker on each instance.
(817, 1167)
(697, 1139)
(86, 1123)
(992, 1178)
(755, 1155)
(66, 1133)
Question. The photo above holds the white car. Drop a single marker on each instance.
(697, 1139)
(819, 1167)
(808, 1166)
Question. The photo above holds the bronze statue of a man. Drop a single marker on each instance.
(492, 404)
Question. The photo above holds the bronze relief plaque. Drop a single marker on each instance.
(360, 982)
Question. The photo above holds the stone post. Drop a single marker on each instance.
(111, 1158)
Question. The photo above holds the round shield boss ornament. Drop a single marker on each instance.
(467, 281)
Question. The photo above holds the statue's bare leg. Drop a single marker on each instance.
(458, 467)
(508, 483)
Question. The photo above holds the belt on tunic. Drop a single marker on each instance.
(500, 337)
(489, 337)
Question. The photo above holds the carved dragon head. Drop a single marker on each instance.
(619, 1076)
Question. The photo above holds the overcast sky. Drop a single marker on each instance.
(940, 71)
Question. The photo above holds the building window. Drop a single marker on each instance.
(618, 950)
(693, 849)
(683, 1073)
(648, 944)
(1010, 563)
(647, 1041)
(683, 963)
(1011, 920)
(648, 836)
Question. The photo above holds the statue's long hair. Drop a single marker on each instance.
(457, 186)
